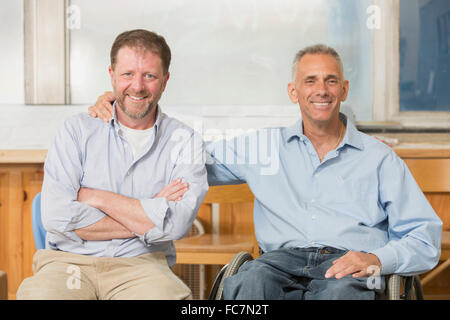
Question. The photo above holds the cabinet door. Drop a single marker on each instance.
(11, 228)
(18, 185)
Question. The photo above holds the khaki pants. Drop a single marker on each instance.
(62, 275)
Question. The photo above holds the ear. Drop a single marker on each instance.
(111, 74)
(166, 78)
(292, 92)
(346, 86)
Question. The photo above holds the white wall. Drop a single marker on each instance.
(11, 54)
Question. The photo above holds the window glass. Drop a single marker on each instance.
(424, 55)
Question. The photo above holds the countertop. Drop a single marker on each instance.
(405, 150)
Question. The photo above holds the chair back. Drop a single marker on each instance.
(38, 229)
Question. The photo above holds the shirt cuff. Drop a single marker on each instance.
(388, 259)
(87, 216)
(150, 236)
(156, 210)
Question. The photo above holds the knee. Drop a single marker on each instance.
(346, 288)
(251, 273)
(173, 288)
(176, 290)
(29, 289)
(253, 281)
(165, 288)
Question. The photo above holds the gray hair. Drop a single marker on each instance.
(315, 49)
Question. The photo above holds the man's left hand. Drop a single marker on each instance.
(358, 264)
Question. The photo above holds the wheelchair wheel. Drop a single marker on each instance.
(417, 287)
(411, 285)
(215, 286)
(229, 270)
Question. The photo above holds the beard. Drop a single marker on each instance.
(133, 114)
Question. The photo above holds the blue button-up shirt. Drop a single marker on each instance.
(87, 152)
(361, 197)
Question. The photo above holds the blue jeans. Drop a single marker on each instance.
(296, 273)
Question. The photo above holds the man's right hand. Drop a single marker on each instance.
(174, 191)
(103, 107)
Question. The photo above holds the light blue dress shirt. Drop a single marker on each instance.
(87, 152)
(361, 197)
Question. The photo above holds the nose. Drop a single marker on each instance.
(321, 88)
(137, 85)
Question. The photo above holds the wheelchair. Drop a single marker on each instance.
(397, 287)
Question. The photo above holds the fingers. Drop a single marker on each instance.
(339, 269)
(178, 195)
(359, 274)
(103, 108)
(172, 187)
(357, 264)
(92, 112)
(174, 191)
(346, 271)
(109, 96)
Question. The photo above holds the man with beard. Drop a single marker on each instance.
(116, 195)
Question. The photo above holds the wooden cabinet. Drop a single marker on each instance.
(19, 183)
(431, 169)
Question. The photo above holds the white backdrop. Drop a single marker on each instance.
(11, 53)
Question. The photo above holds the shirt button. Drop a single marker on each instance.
(313, 200)
(316, 175)
(313, 217)
(128, 173)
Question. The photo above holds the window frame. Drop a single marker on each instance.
(386, 75)
(46, 54)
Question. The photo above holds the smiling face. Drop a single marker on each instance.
(319, 88)
(138, 80)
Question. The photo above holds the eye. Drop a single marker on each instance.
(332, 81)
(149, 76)
(127, 74)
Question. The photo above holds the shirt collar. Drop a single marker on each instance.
(351, 137)
(114, 118)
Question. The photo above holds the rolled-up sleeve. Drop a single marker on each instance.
(60, 210)
(173, 219)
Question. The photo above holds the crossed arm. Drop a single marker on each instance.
(125, 217)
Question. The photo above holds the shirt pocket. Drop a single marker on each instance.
(340, 189)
